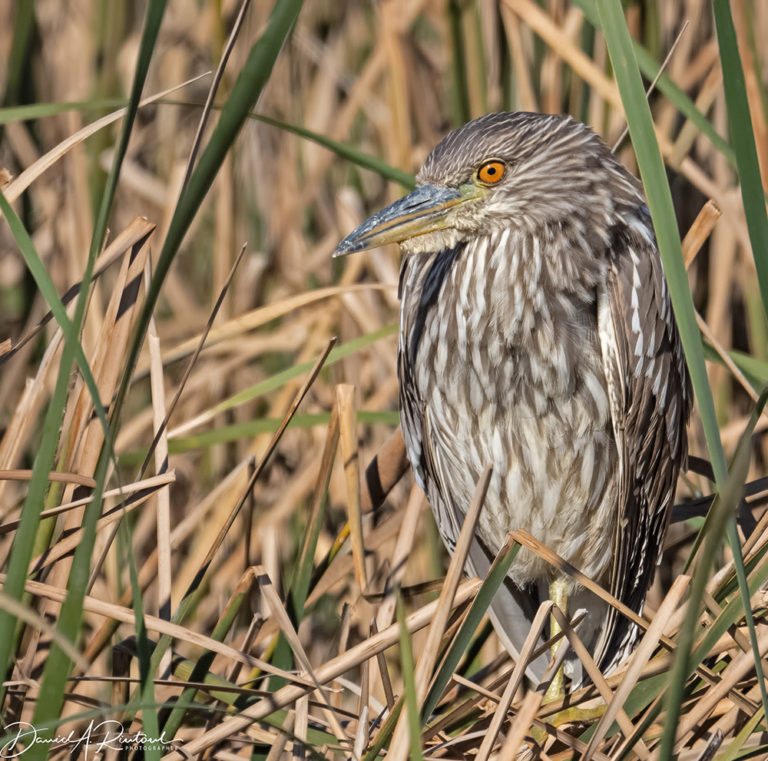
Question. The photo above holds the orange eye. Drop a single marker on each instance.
(491, 172)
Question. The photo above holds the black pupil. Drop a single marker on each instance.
(491, 170)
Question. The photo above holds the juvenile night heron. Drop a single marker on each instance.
(537, 335)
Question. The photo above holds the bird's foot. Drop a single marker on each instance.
(567, 716)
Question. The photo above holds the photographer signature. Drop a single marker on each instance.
(106, 735)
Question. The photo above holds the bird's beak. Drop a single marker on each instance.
(425, 210)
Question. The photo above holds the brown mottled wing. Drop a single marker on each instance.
(413, 410)
(651, 398)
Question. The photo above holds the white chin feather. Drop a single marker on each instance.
(431, 242)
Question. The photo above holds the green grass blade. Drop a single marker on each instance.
(354, 155)
(409, 684)
(663, 214)
(731, 613)
(202, 667)
(41, 110)
(348, 152)
(719, 518)
(743, 139)
(683, 103)
(280, 379)
(155, 12)
(245, 93)
(386, 732)
(649, 689)
(302, 576)
(48, 290)
(149, 720)
(58, 665)
(18, 60)
(734, 748)
(237, 431)
(478, 609)
(755, 370)
(21, 552)
(30, 616)
(459, 61)
(650, 67)
(620, 48)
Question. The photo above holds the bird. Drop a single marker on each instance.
(537, 336)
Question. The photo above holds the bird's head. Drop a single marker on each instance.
(502, 170)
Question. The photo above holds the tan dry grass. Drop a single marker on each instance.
(373, 77)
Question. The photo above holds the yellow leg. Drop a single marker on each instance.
(558, 593)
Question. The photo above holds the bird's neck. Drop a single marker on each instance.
(494, 313)
(513, 282)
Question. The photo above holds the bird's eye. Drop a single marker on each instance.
(491, 172)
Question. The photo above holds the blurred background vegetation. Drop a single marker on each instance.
(370, 87)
